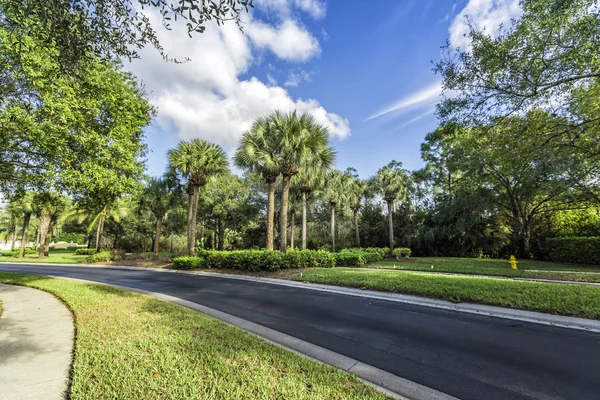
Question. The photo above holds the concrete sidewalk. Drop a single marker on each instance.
(36, 344)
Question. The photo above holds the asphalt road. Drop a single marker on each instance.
(468, 356)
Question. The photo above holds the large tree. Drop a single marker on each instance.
(299, 138)
(48, 206)
(392, 183)
(257, 152)
(197, 161)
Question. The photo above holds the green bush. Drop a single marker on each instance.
(102, 256)
(256, 260)
(9, 253)
(85, 252)
(581, 250)
(356, 257)
(402, 252)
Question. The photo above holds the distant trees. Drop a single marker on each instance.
(392, 183)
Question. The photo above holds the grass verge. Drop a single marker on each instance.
(58, 257)
(570, 300)
(132, 346)
(527, 269)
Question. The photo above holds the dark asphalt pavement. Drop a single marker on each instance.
(468, 356)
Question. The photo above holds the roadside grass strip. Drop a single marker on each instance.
(570, 300)
(133, 346)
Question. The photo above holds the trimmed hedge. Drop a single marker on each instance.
(85, 252)
(358, 258)
(15, 253)
(402, 252)
(580, 250)
(102, 256)
(256, 260)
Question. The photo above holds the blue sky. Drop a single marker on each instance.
(364, 69)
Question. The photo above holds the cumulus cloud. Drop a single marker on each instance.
(416, 100)
(483, 14)
(287, 41)
(206, 97)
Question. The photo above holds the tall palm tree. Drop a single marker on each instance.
(197, 160)
(334, 192)
(392, 184)
(299, 138)
(308, 179)
(257, 152)
(48, 206)
(158, 197)
(355, 194)
(116, 211)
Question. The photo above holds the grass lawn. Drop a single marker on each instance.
(132, 346)
(58, 257)
(483, 266)
(571, 300)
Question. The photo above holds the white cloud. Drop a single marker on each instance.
(272, 81)
(315, 8)
(422, 98)
(419, 117)
(288, 41)
(205, 97)
(483, 14)
(296, 77)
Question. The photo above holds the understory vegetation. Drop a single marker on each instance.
(132, 346)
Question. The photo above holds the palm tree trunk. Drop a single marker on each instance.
(172, 241)
(332, 226)
(356, 228)
(159, 219)
(43, 229)
(47, 245)
(24, 236)
(270, 214)
(292, 223)
(303, 220)
(99, 232)
(14, 238)
(390, 205)
(284, 210)
(191, 222)
(221, 235)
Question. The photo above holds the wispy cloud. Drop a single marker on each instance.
(427, 113)
(422, 98)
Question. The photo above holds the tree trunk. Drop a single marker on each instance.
(172, 241)
(284, 211)
(47, 245)
(221, 233)
(99, 233)
(37, 237)
(43, 229)
(332, 226)
(191, 222)
(159, 219)
(356, 228)
(390, 205)
(292, 223)
(270, 213)
(14, 238)
(303, 220)
(24, 236)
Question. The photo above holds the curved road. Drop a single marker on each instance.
(468, 356)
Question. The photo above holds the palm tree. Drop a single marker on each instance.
(26, 207)
(392, 183)
(355, 194)
(299, 138)
(334, 192)
(48, 206)
(158, 198)
(116, 211)
(197, 160)
(257, 152)
(308, 179)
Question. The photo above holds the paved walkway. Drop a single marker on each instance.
(36, 342)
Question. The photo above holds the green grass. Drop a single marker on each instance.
(483, 266)
(571, 300)
(132, 346)
(57, 257)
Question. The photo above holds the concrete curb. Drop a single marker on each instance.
(490, 311)
(381, 380)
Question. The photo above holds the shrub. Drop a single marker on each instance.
(102, 256)
(581, 250)
(85, 252)
(72, 248)
(9, 253)
(356, 257)
(402, 252)
(256, 260)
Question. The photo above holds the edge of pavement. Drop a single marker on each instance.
(589, 325)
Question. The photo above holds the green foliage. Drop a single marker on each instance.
(401, 252)
(351, 257)
(102, 256)
(381, 251)
(257, 260)
(85, 252)
(582, 250)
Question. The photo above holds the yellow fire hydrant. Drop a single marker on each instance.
(513, 262)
